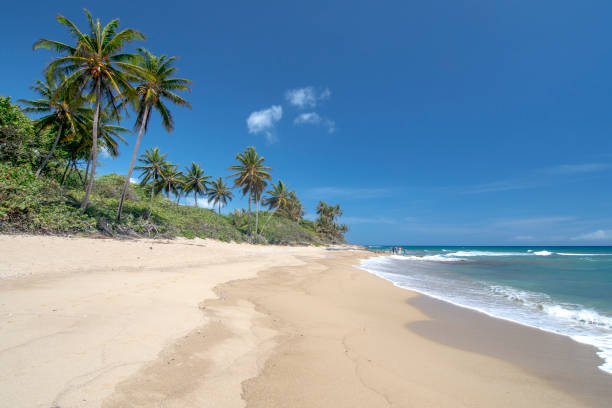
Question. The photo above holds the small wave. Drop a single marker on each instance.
(498, 253)
(486, 253)
(577, 254)
(579, 315)
(430, 258)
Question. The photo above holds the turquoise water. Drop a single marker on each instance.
(565, 290)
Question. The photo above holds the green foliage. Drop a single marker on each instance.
(19, 143)
(28, 204)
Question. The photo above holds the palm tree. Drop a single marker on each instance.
(171, 180)
(278, 197)
(219, 193)
(195, 181)
(65, 110)
(109, 136)
(95, 62)
(293, 210)
(248, 173)
(152, 169)
(258, 190)
(155, 86)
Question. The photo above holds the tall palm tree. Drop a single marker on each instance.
(278, 197)
(64, 110)
(155, 87)
(171, 180)
(258, 190)
(95, 62)
(109, 136)
(195, 181)
(152, 169)
(248, 173)
(219, 193)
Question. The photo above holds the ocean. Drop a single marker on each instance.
(564, 290)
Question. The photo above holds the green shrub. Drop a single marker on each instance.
(28, 204)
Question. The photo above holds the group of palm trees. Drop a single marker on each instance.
(250, 175)
(93, 82)
(161, 175)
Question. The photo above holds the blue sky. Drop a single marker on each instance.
(466, 122)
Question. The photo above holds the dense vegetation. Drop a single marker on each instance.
(48, 163)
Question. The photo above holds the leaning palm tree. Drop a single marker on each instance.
(64, 110)
(219, 193)
(278, 197)
(248, 173)
(95, 65)
(156, 86)
(152, 169)
(195, 181)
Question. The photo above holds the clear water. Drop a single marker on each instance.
(564, 290)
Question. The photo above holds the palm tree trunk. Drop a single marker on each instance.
(74, 166)
(266, 223)
(94, 147)
(87, 170)
(64, 175)
(250, 199)
(152, 187)
(257, 217)
(195, 197)
(57, 138)
(134, 154)
(219, 207)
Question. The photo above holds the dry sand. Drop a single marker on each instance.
(90, 323)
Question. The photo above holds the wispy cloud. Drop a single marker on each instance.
(324, 192)
(539, 178)
(263, 121)
(529, 222)
(308, 118)
(523, 238)
(133, 180)
(367, 220)
(566, 169)
(306, 97)
(594, 236)
(502, 185)
(313, 118)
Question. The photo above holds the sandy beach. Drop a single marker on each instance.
(199, 323)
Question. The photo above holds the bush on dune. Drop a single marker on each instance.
(28, 204)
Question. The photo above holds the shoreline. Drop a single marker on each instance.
(259, 326)
(364, 356)
(563, 362)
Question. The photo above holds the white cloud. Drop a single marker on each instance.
(104, 154)
(306, 97)
(202, 202)
(133, 180)
(263, 121)
(310, 118)
(594, 236)
(313, 118)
